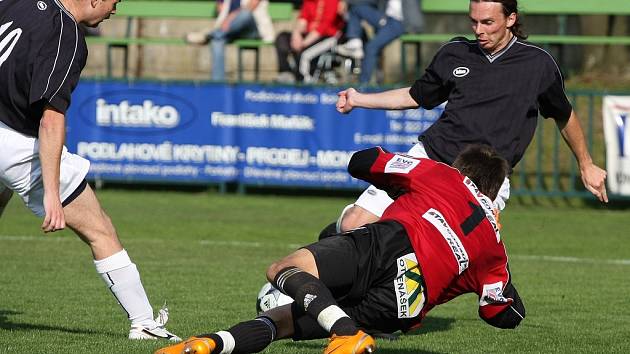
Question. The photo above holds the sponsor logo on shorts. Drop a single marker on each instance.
(438, 220)
(401, 164)
(408, 286)
(461, 71)
(493, 294)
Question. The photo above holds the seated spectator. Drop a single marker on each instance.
(318, 27)
(389, 18)
(236, 19)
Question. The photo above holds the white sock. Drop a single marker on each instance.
(228, 342)
(123, 279)
(329, 316)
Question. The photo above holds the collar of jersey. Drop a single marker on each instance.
(492, 57)
(63, 8)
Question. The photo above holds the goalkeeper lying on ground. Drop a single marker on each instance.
(438, 240)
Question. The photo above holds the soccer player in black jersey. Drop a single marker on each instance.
(495, 86)
(42, 53)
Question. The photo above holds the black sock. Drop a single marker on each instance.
(344, 326)
(249, 336)
(311, 296)
(217, 340)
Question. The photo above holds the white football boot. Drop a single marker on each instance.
(155, 330)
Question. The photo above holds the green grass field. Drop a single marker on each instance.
(206, 254)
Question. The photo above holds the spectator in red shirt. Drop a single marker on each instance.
(318, 27)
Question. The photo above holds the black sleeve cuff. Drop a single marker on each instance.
(512, 315)
(361, 162)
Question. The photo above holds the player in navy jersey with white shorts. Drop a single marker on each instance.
(42, 54)
(439, 239)
(495, 88)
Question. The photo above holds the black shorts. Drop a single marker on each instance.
(373, 275)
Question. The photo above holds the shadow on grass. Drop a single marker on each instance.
(429, 325)
(433, 324)
(310, 345)
(7, 324)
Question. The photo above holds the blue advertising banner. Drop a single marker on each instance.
(247, 133)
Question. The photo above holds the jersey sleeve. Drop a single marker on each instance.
(499, 303)
(552, 100)
(57, 68)
(430, 90)
(386, 171)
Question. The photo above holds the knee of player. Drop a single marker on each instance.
(274, 269)
(351, 219)
(106, 227)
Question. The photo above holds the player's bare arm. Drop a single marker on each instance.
(593, 177)
(392, 99)
(52, 132)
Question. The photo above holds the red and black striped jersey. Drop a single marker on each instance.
(450, 224)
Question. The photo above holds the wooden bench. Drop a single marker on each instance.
(133, 9)
(560, 8)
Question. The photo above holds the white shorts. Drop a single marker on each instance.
(20, 169)
(376, 201)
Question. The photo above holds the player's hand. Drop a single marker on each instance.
(55, 219)
(344, 104)
(594, 179)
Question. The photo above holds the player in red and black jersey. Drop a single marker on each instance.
(438, 240)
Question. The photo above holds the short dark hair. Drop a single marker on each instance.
(509, 7)
(483, 165)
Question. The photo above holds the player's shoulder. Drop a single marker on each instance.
(456, 46)
(35, 11)
(443, 169)
(458, 43)
(530, 49)
(462, 40)
(42, 18)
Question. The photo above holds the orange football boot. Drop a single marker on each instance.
(192, 345)
(360, 343)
